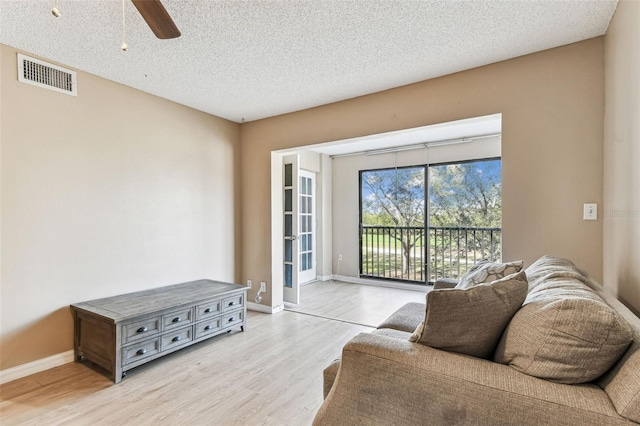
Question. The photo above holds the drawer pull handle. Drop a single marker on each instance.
(176, 339)
(207, 311)
(232, 303)
(231, 319)
(142, 330)
(207, 328)
(177, 319)
(141, 351)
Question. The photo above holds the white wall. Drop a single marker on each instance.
(325, 218)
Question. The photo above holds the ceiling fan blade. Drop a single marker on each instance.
(157, 18)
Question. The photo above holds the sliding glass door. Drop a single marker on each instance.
(425, 222)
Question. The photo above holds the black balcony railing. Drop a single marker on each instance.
(400, 252)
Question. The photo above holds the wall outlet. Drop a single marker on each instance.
(249, 283)
(263, 286)
(339, 257)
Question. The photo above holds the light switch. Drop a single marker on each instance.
(590, 211)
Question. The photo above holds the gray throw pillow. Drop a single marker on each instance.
(471, 321)
(486, 272)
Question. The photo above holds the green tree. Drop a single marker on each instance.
(466, 194)
(395, 198)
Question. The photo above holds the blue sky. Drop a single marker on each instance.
(489, 168)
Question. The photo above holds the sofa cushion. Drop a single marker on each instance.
(407, 318)
(486, 272)
(550, 267)
(564, 332)
(471, 321)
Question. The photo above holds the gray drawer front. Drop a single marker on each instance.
(140, 351)
(140, 329)
(207, 327)
(231, 303)
(233, 318)
(177, 338)
(177, 318)
(209, 309)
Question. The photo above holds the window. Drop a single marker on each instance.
(464, 220)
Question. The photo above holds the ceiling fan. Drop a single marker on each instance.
(157, 18)
(153, 13)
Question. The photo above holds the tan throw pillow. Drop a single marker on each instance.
(486, 272)
(564, 332)
(471, 321)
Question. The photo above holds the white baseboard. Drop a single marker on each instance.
(264, 308)
(324, 277)
(33, 367)
(383, 283)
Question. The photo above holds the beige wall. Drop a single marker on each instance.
(552, 130)
(621, 254)
(105, 193)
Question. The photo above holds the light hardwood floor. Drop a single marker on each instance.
(271, 374)
(360, 304)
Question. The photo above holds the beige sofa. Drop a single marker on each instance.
(384, 379)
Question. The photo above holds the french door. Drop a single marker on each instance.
(306, 227)
(299, 229)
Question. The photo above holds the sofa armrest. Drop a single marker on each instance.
(329, 376)
(383, 380)
(444, 283)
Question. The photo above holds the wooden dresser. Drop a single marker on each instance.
(122, 332)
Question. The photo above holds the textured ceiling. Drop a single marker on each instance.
(254, 59)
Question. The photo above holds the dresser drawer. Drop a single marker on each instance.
(177, 338)
(177, 318)
(232, 319)
(140, 329)
(234, 302)
(207, 327)
(141, 350)
(209, 309)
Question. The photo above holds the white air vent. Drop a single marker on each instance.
(49, 76)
